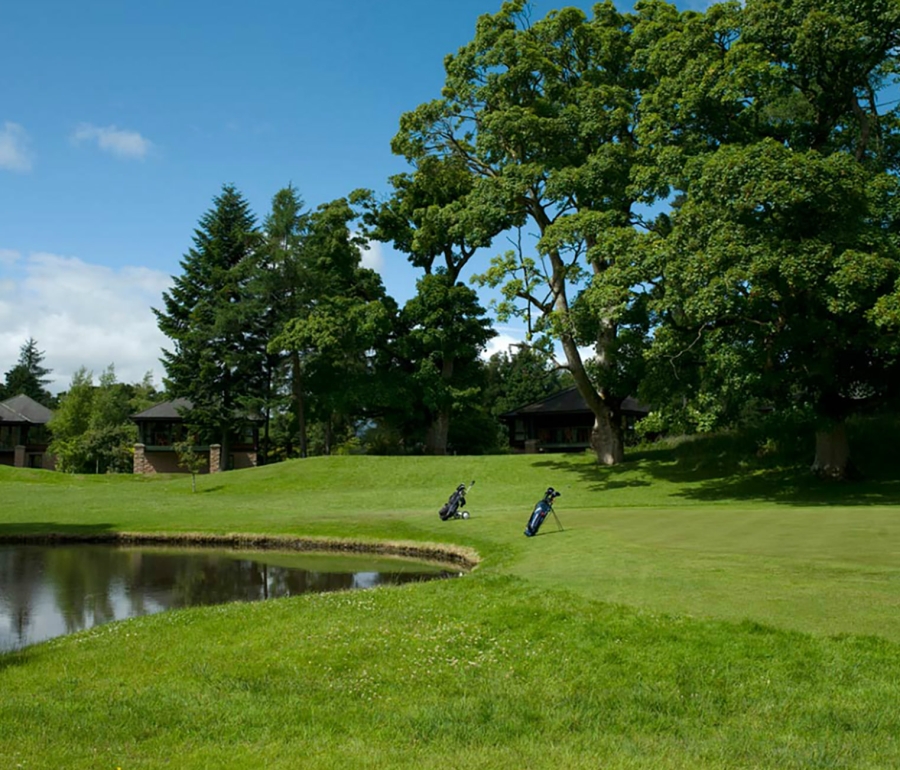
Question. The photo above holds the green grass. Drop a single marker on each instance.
(694, 613)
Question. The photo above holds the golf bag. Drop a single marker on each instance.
(451, 509)
(540, 512)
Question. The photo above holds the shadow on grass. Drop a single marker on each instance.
(704, 472)
(14, 658)
(12, 531)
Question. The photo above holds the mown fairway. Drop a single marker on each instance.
(688, 616)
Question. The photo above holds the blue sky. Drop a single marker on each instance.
(120, 121)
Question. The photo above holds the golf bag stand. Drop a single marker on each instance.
(451, 509)
(540, 512)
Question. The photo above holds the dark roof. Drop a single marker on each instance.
(167, 410)
(24, 409)
(569, 401)
(175, 409)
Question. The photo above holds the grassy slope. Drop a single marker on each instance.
(632, 638)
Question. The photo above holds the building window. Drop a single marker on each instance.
(9, 436)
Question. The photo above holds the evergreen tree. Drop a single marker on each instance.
(340, 317)
(281, 288)
(217, 362)
(28, 376)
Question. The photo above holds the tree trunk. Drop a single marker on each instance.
(832, 452)
(226, 448)
(439, 430)
(607, 437)
(268, 409)
(436, 437)
(297, 393)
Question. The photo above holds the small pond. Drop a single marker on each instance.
(53, 590)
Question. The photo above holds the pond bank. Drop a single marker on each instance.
(438, 553)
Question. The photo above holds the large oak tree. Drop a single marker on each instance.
(542, 115)
(781, 264)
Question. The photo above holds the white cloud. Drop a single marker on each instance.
(502, 343)
(8, 257)
(118, 142)
(509, 338)
(373, 256)
(82, 314)
(15, 148)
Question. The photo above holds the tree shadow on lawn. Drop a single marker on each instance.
(718, 478)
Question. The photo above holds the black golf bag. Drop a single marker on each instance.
(540, 512)
(451, 509)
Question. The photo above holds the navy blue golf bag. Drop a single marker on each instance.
(450, 509)
(540, 512)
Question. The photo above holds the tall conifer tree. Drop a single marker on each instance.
(217, 360)
(28, 376)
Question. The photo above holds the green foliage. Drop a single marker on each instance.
(28, 376)
(521, 377)
(217, 361)
(338, 323)
(71, 422)
(436, 214)
(383, 438)
(442, 331)
(439, 216)
(544, 116)
(143, 395)
(279, 288)
(781, 260)
(92, 432)
(190, 460)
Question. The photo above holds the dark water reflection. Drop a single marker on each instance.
(48, 591)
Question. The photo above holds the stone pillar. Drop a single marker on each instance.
(19, 456)
(215, 458)
(140, 460)
(532, 446)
